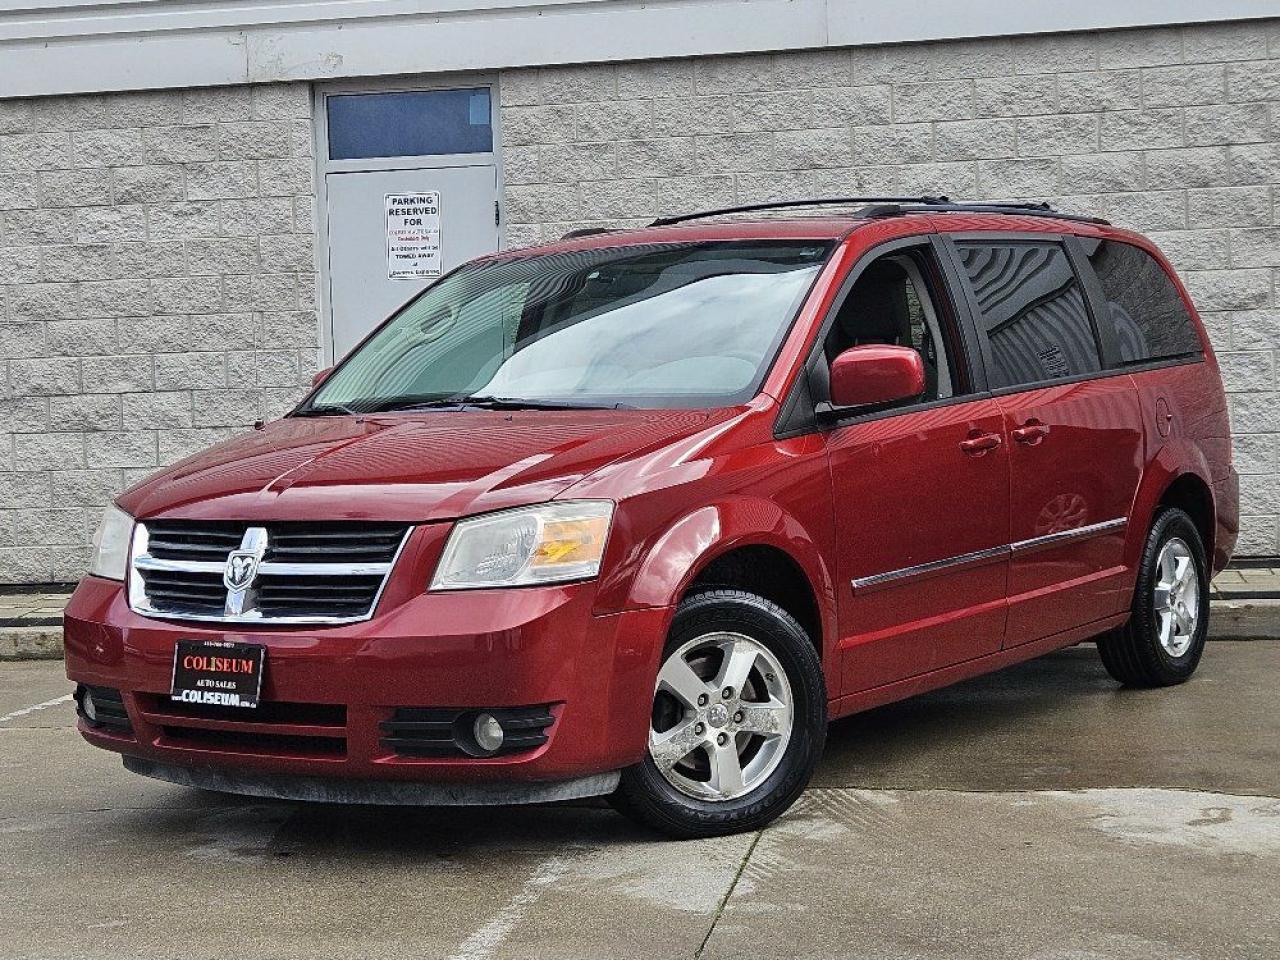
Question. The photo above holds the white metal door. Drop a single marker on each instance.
(409, 177)
(362, 260)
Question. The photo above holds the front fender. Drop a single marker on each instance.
(688, 544)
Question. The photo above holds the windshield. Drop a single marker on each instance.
(660, 325)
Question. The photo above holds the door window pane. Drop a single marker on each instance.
(891, 303)
(1143, 304)
(412, 124)
(1033, 312)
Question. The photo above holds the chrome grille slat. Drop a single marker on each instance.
(190, 540)
(371, 543)
(266, 567)
(322, 573)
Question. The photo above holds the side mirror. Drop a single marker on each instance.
(320, 377)
(876, 374)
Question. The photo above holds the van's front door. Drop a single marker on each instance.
(1075, 435)
(921, 492)
(920, 531)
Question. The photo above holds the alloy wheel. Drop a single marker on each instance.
(1177, 597)
(722, 716)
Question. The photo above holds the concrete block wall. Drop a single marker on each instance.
(1173, 131)
(157, 274)
(157, 293)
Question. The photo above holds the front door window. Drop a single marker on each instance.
(892, 302)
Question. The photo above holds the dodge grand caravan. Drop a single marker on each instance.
(637, 513)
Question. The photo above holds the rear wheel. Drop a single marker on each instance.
(738, 720)
(1164, 638)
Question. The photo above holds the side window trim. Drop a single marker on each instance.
(798, 417)
(975, 357)
(949, 241)
(935, 323)
(1096, 303)
(981, 349)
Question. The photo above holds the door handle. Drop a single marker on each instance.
(980, 443)
(1031, 432)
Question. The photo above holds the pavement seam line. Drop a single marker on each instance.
(724, 901)
(32, 709)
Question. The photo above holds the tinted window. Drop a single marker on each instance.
(891, 302)
(416, 124)
(1144, 306)
(1032, 312)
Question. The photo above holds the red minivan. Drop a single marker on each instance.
(637, 513)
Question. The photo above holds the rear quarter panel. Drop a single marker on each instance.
(1187, 403)
(1188, 427)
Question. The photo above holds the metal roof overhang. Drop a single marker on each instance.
(79, 46)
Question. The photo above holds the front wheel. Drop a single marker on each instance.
(738, 719)
(1164, 638)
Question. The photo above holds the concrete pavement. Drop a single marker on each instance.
(1039, 813)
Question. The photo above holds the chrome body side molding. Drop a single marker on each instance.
(1076, 533)
(981, 557)
(975, 559)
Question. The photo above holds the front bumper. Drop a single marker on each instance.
(386, 792)
(331, 689)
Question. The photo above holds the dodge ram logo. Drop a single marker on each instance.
(241, 569)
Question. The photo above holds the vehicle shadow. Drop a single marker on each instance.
(1058, 722)
(1020, 697)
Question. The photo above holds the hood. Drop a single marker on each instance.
(406, 467)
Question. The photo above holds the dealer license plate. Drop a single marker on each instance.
(217, 673)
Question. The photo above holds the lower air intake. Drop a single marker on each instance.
(102, 708)
(451, 731)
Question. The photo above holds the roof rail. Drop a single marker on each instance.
(789, 204)
(1012, 208)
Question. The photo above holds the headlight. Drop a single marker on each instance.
(543, 544)
(111, 545)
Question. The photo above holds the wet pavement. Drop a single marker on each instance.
(1039, 813)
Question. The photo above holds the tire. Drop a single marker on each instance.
(1155, 649)
(699, 795)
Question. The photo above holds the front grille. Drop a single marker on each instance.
(107, 706)
(319, 573)
(334, 542)
(295, 596)
(185, 591)
(193, 540)
(447, 731)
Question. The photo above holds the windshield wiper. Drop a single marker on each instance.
(521, 403)
(327, 410)
(498, 403)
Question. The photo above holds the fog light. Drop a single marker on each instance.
(488, 733)
(88, 706)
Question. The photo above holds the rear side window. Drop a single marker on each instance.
(1031, 311)
(1143, 305)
